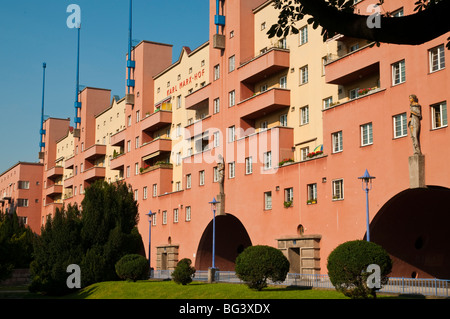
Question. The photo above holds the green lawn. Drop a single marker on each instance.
(196, 290)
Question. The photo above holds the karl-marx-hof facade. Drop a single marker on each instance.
(278, 131)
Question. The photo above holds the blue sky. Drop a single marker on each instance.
(33, 32)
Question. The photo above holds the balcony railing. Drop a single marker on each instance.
(55, 172)
(151, 168)
(155, 147)
(95, 152)
(156, 121)
(94, 173)
(53, 190)
(267, 102)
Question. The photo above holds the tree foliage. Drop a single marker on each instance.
(184, 272)
(132, 267)
(16, 244)
(95, 238)
(347, 267)
(429, 21)
(257, 264)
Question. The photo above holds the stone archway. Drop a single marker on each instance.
(231, 239)
(413, 228)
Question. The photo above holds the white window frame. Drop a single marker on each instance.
(231, 134)
(283, 82)
(304, 153)
(155, 190)
(216, 139)
(283, 120)
(202, 178)
(366, 134)
(248, 165)
(216, 72)
(164, 221)
(188, 181)
(303, 35)
(304, 75)
(215, 174)
(216, 105)
(231, 63)
(338, 189)
(145, 192)
(231, 170)
(337, 142)
(289, 194)
(312, 192)
(188, 213)
(267, 160)
(437, 54)
(267, 200)
(439, 109)
(175, 215)
(400, 121)
(232, 98)
(304, 115)
(398, 69)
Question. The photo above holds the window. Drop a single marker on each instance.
(283, 82)
(137, 141)
(264, 125)
(282, 44)
(138, 116)
(366, 134)
(217, 72)
(439, 115)
(303, 32)
(304, 115)
(164, 218)
(263, 88)
(188, 181)
(312, 193)
(178, 159)
(263, 26)
(231, 169)
(136, 192)
(202, 177)
(23, 185)
(353, 94)
(154, 220)
(231, 134)
(248, 165)
(178, 131)
(188, 213)
(338, 189)
(267, 160)
(397, 13)
(144, 193)
(337, 142)
(231, 63)
(215, 174)
(400, 128)
(437, 58)
(398, 73)
(304, 153)
(216, 140)
(136, 169)
(231, 34)
(128, 146)
(267, 200)
(175, 215)
(129, 120)
(178, 186)
(304, 75)
(178, 101)
(283, 120)
(22, 202)
(354, 47)
(216, 105)
(324, 62)
(232, 98)
(289, 195)
(155, 190)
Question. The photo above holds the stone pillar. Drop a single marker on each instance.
(417, 171)
(221, 205)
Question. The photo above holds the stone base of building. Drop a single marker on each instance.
(167, 257)
(303, 253)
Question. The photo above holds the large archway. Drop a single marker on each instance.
(231, 239)
(413, 227)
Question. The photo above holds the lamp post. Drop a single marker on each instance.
(367, 186)
(212, 270)
(150, 217)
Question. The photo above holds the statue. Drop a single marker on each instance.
(414, 123)
(221, 173)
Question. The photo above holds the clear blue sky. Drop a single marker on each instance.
(33, 32)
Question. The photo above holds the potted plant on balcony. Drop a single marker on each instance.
(312, 201)
(286, 161)
(288, 204)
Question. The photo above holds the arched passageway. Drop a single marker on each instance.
(413, 227)
(231, 239)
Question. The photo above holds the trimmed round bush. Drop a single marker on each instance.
(257, 264)
(184, 272)
(348, 268)
(132, 267)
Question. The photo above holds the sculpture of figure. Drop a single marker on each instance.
(414, 123)
(221, 173)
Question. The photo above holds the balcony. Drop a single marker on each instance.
(265, 65)
(54, 190)
(118, 162)
(155, 147)
(156, 121)
(261, 104)
(147, 169)
(68, 183)
(118, 139)
(198, 99)
(94, 173)
(94, 152)
(197, 128)
(69, 163)
(352, 66)
(55, 172)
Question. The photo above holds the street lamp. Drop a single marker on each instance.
(212, 270)
(367, 186)
(149, 217)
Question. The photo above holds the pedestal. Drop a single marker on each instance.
(212, 275)
(221, 205)
(417, 171)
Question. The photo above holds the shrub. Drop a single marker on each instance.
(132, 267)
(347, 267)
(184, 272)
(256, 264)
